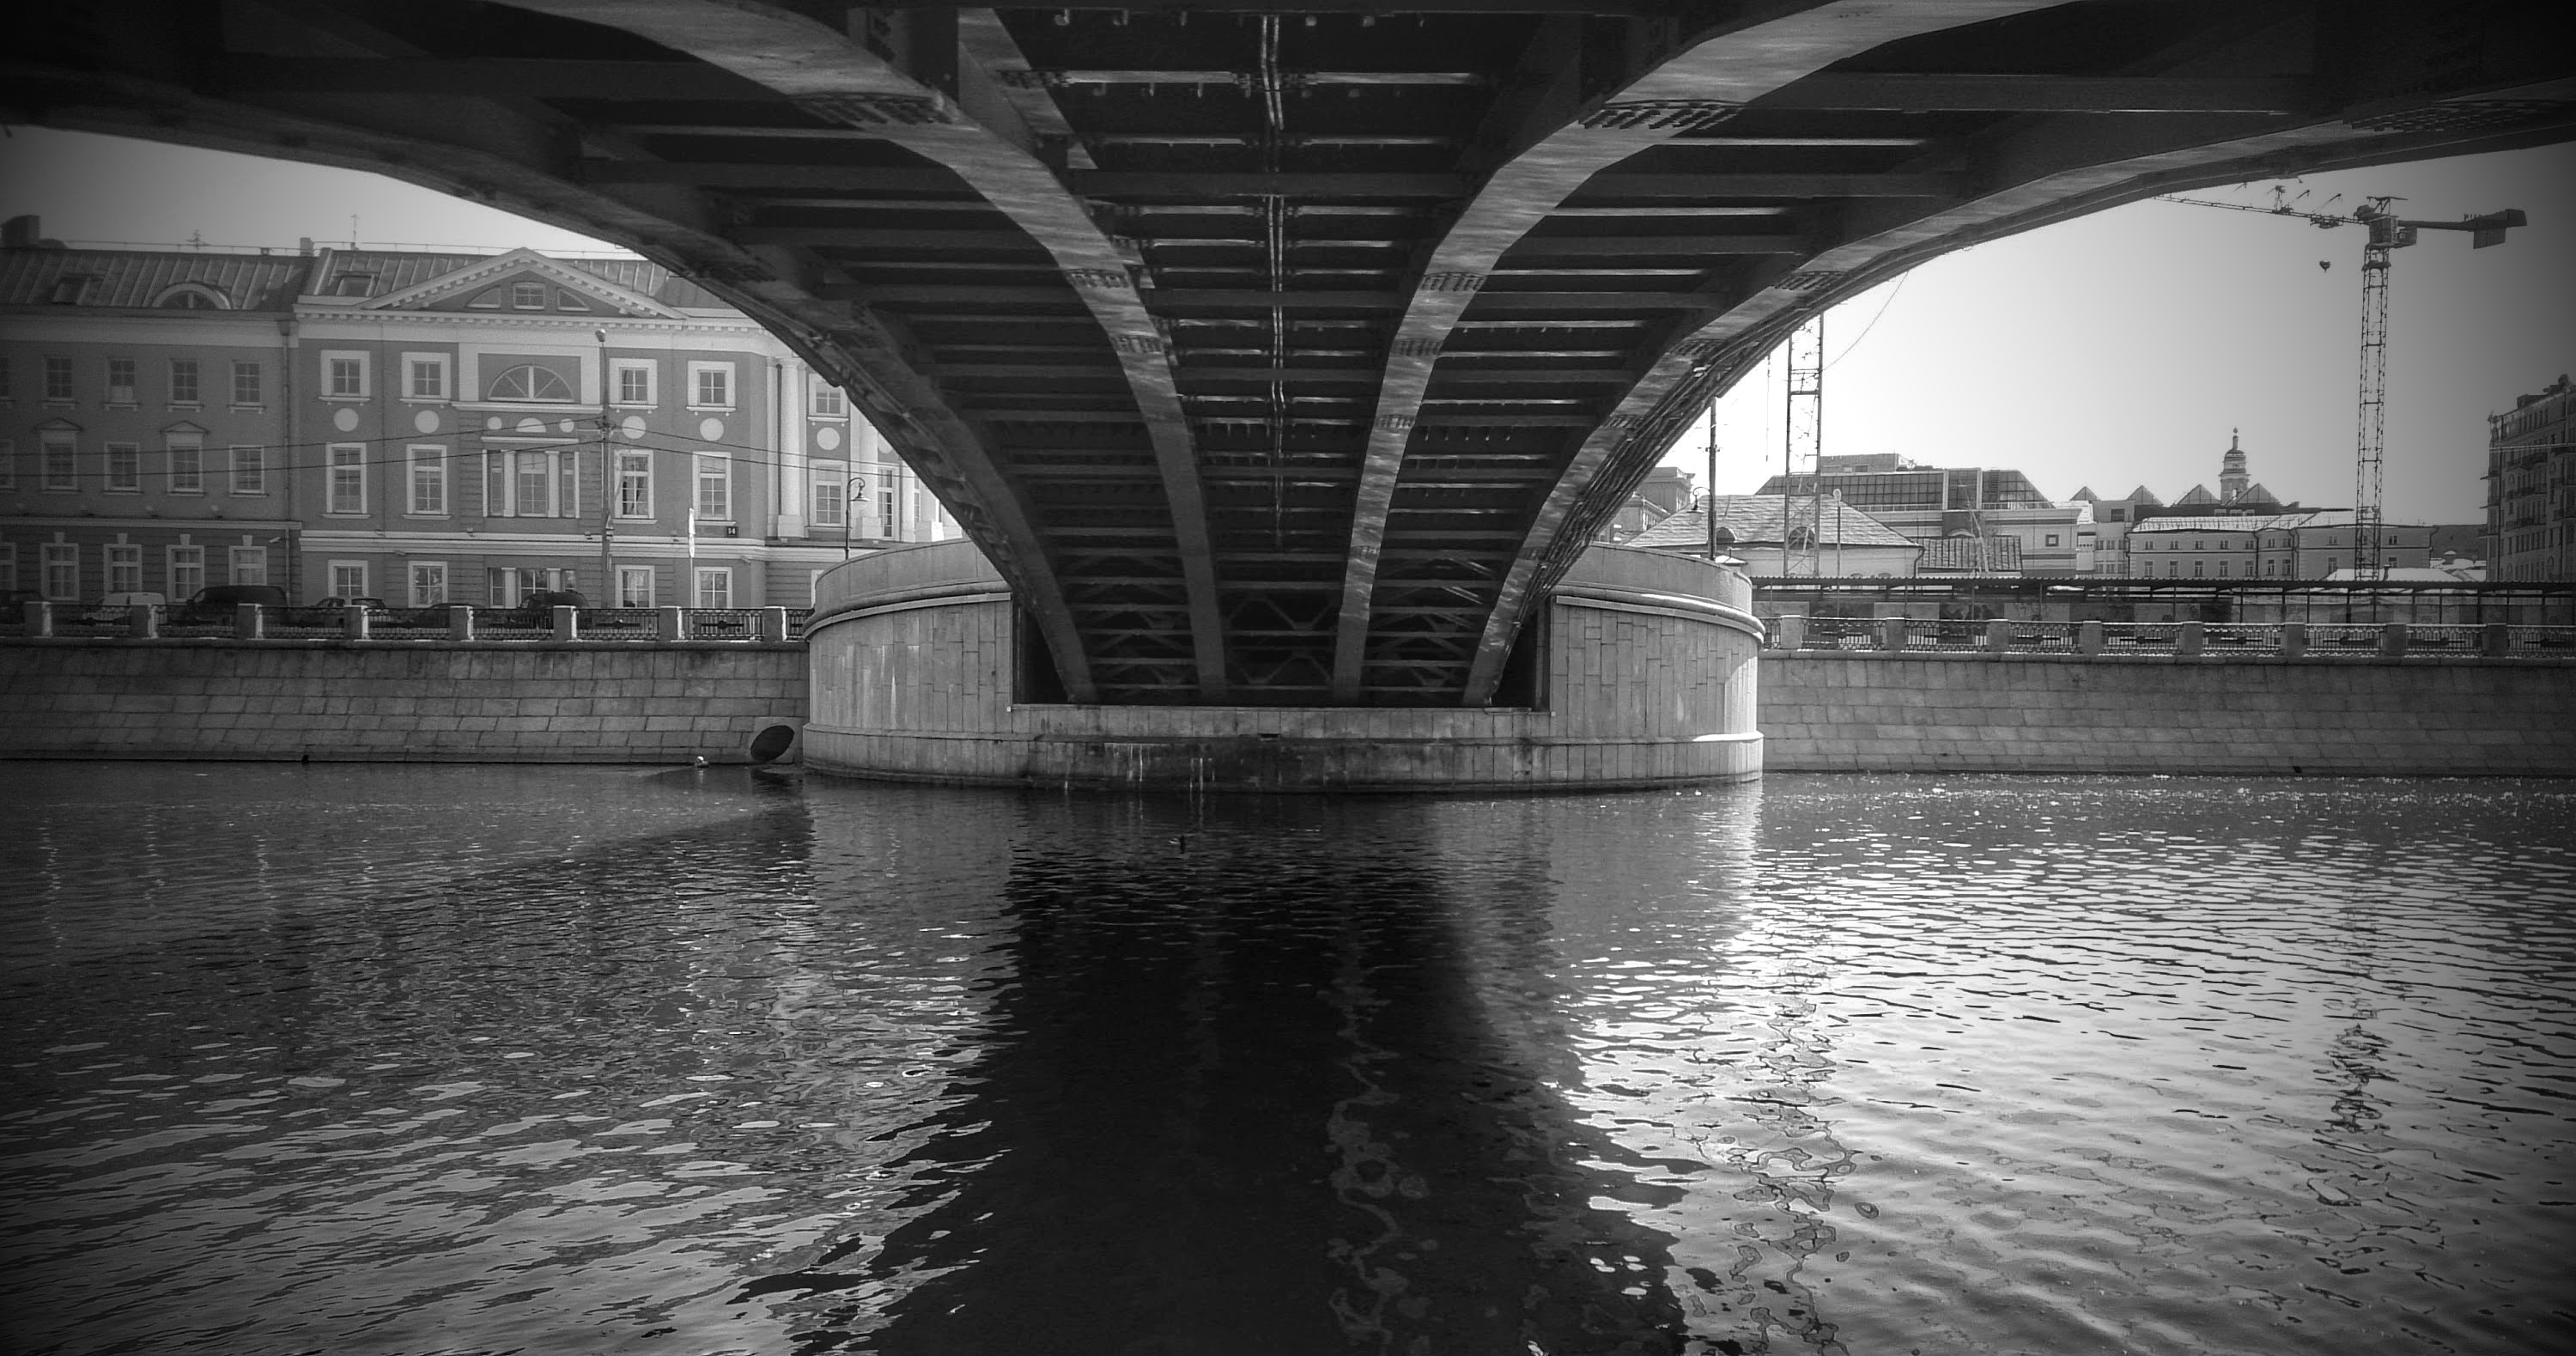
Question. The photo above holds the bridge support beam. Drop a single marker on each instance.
(1641, 674)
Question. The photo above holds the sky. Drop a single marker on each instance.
(2114, 350)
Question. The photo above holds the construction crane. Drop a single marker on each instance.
(2384, 233)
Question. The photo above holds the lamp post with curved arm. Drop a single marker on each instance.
(848, 510)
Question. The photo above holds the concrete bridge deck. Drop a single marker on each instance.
(1290, 357)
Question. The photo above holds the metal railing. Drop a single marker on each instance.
(2208, 640)
(442, 622)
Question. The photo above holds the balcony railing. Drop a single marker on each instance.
(445, 622)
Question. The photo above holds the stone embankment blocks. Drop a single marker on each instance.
(436, 702)
(2238, 716)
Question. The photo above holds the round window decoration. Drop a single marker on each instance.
(827, 438)
(711, 429)
(425, 421)
(344, 419)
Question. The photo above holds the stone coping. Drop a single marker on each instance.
(388, 645)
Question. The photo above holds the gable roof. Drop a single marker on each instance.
(404, 282)
(1756, 519)
(2142, 495)
(2086, 494)
(2195, 496)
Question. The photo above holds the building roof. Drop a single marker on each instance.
(2142, 495)
(389, 271)
(1755, 519)
(2085, 494)
(141, 279)
(1971, 555)
(2258, 522)
(2196, 496)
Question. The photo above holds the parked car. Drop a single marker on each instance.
(115, 608)
(214, 604)
(538, 608)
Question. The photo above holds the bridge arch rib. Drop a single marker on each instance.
(1288, 356)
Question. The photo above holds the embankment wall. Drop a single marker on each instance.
(1864, 712)
(406, 701)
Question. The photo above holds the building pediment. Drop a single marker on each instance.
(523, 283)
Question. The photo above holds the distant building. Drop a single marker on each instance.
(1931, 503)
(1666, 491)
(2300, 544)
(1850, 544)
(2531, 487)
(2239, 496)
(421, 428)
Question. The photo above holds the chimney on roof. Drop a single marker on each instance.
(304, 244)
(20, 233)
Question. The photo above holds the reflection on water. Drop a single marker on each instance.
(570, 1060)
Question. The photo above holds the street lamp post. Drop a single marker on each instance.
(849, 510)
(607, 480)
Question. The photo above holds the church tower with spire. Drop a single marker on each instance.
(2232, 479)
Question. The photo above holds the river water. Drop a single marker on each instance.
(562, 1060)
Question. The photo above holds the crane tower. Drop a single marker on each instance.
(2386, 233)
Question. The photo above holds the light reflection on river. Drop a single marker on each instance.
(421, 1059)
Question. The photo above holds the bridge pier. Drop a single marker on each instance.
(1643, 673)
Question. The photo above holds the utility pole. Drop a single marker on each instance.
(2386, 233)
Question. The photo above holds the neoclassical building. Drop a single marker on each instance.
(421, 428)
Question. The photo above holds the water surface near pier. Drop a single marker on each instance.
(453, 1059)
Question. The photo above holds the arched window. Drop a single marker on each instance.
(529, 382)
(190, 296)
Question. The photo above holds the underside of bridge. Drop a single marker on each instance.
(1288, 355)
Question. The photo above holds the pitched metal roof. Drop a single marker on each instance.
(142, 278)
(1971, 555)
(1755, 519)
(391, 271)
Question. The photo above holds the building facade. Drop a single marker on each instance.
(2531, 487)
(420, 428)
(2303, 544)
(1932, 503)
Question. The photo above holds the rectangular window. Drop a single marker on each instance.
(183, 381)
(428, 482)
(829, 403)
(124, 569)
(634, 484)
(830, 487)
(250, 564)
(715, 587)
(125, 468)
(349, 579)
(187, 454)
(885, 505)
(634, 586)
(250, 471)
(120, 381)
(428, 583)
(715, 488)
(533, 492)
(59, 468)
(344, 376)
(711, 386)
(348, 478)
(246, 383)
(427, 379)
(58, 379)
(634, 383)
(60, 572)
(187, 572)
